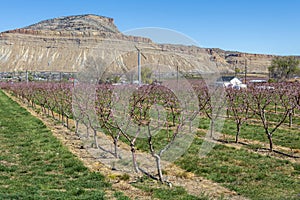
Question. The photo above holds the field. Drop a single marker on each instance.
(35, 165)
(251, 168)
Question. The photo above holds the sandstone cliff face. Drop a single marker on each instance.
(255, 63)
(77, 23)
(65, 44)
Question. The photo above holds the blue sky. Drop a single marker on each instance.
(255, 26)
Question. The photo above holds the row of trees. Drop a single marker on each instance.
(158, 116)
(148, 115)
(53, 98)
(262, 103)
(270, 104)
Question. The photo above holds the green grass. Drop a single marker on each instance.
(35, 165)
(163, 192)
(249, 174)
(283, 137)
(120, 196)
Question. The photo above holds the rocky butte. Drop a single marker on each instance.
(66, 44)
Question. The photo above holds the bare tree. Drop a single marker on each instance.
(214, 106)
(261, 101)
(239, 106)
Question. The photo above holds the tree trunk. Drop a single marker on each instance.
(135, 165)
(62, 119)
(96, 139)
(174, 117)
(290, 119)
(52, 112)
(87, 132)
(212, 127)
(116, 148)
(67, 122)
(190, 126)
(270, 141)
(238, 128)
(76, 127)
(158, 166)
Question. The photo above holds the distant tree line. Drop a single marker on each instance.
(283, 68)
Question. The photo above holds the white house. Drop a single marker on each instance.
(230, 81)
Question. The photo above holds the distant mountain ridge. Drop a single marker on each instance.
(65, 43)
(87, 22)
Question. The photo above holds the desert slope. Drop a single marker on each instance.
(65, 43)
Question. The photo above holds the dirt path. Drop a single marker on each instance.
(195, 185)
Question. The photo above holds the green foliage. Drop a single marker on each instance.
(30, 76)
(146, 75)
(237, 70)
(116, 79)
(271, 80)
(284, 67)
(111, 79)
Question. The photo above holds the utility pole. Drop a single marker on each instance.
(26, 76)
(245, 71)
(139, 65)
(139, 68)
(235, 70)
(158, 70)
(177, 73)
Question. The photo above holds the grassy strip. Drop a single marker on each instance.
(283, 137)
(249, 174)
(164, 193)
(35, 165)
